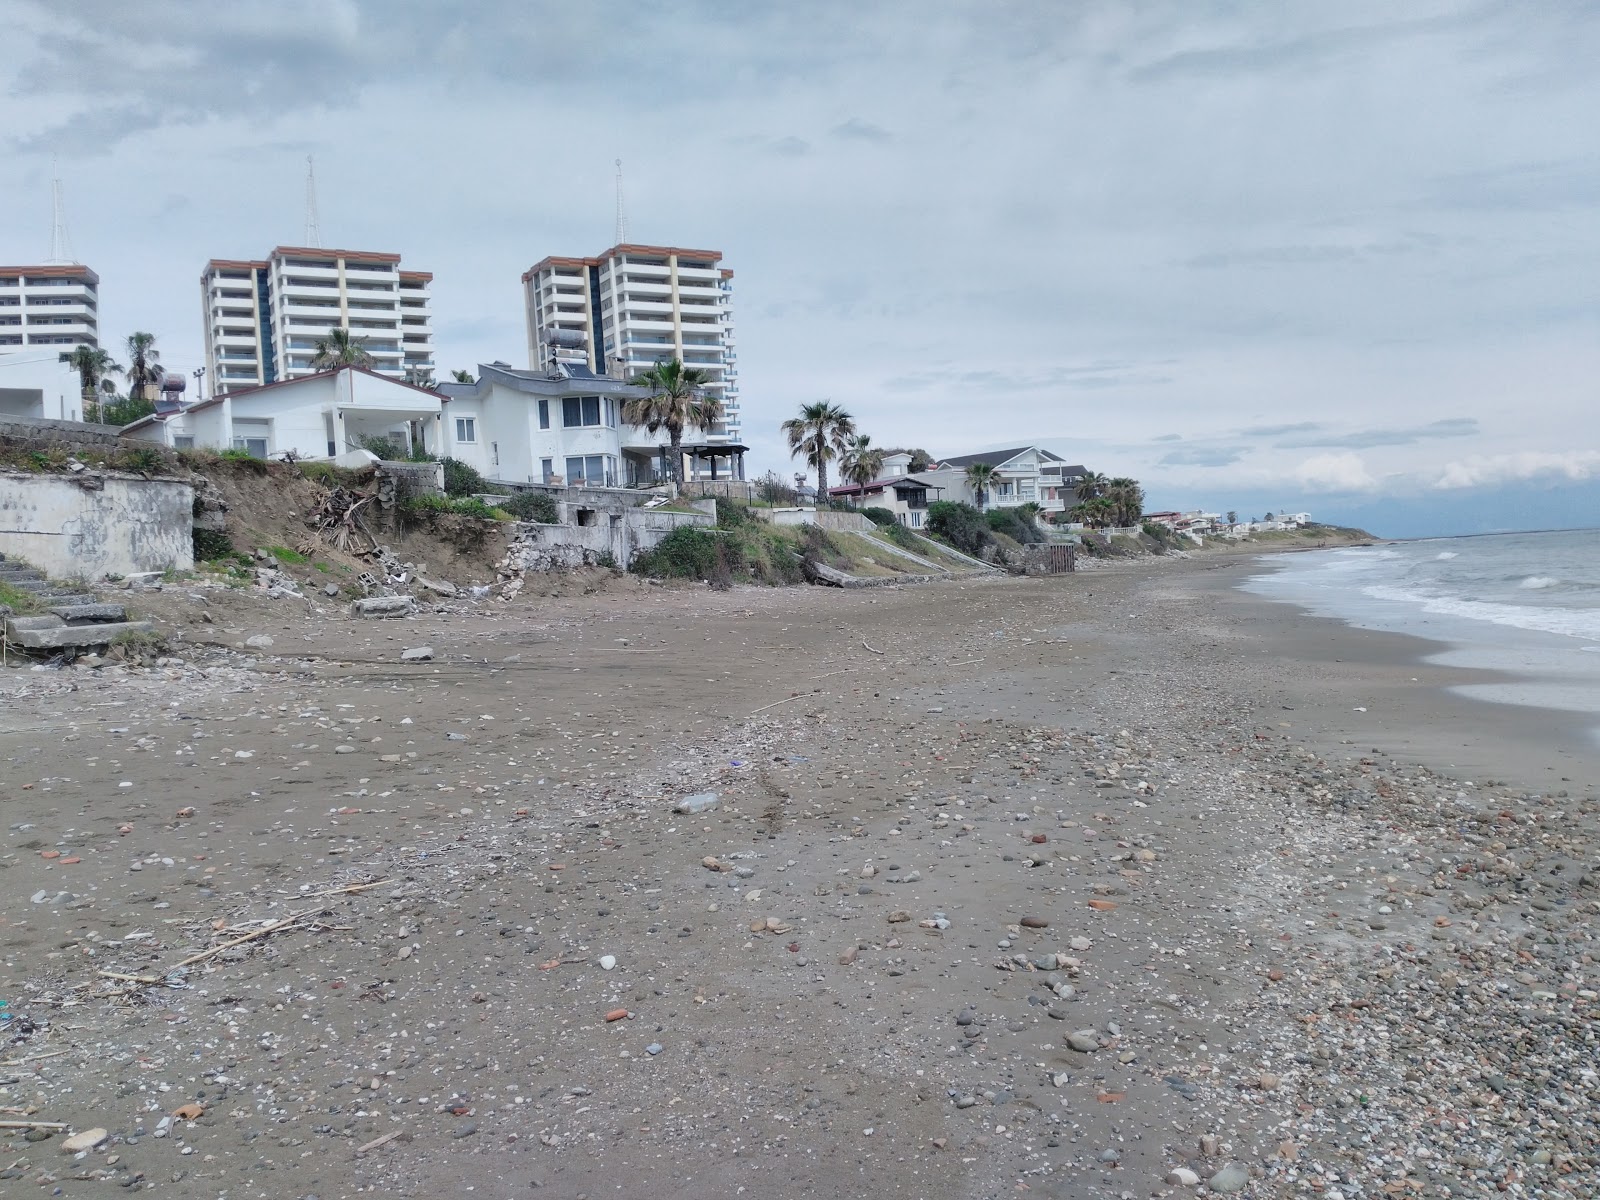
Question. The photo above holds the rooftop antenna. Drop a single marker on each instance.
(313, 234)
(60, 245)
(622, 216)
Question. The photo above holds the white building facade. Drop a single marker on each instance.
(49, 306)
(620, 313)
(263, 318)
(1023, 475)
(564, 427)
(327, 415)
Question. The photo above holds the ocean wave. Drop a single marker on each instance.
(1568, 622)
(1538, 581)
(1444, 554)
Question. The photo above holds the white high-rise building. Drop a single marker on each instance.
(264, 318)
(55, 305)
(631, 307)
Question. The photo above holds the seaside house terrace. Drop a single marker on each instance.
(322, 416)
(562, 425)
(907, 496)
(1024, 474)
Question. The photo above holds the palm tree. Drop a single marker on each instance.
(339, 349)
(1091, 485)
(819, 433)
(1127, 497)
(92, 365)
(675, 401)
(1233, 516)
(463, 376)
(862, 461)
(980, 478)
(144, 365)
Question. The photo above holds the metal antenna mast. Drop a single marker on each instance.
(313, 234)
(622, 216)
(60, 245)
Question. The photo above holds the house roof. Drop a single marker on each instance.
(574, 380)
(1067, 470)
(996, 458)
(877, 485)
(281, 383)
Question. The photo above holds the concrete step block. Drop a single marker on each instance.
(89, 610)
(62, 636)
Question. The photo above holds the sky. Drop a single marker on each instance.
(1337, 258)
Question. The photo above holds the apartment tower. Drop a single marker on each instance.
(49, 306)
(633, 306)
(263, 318)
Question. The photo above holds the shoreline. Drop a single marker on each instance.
(832, 964)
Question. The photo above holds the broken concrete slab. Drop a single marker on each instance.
(417, 654)
(383, 606)
(443, 587)
(89, 611)
(61, 636)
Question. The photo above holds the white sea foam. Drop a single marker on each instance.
(1538, 581)
(1580, 623)
(1444, 554)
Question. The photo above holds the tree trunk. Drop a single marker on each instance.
(822, 471)
(675, 439)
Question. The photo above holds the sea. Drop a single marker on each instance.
(1525, 604)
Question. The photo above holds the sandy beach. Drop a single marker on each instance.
(1118, 884)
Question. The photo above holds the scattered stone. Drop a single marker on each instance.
(1183, 1177)
(87, 1140)
(1230, 1179)
(417, 654)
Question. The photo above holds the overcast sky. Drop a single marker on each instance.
(1323, 252)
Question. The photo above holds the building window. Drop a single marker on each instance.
(544, 416)
(579, 411)
(182, 442)
(594, 470)
(494, 453)
(255, 447)
(547, 466)
(466, 429)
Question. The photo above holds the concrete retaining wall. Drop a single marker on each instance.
(90, 525)
(623, 535)
(829, 519)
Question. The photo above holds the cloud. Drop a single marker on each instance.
(1280, 430)
(1313, 254)
(1489, 470)
(1168, 437)
(791, 147)
(1368, 439)
(1335, 473)
(1200, 456)
(855, 129)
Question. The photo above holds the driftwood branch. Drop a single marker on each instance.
(785, 700)
(867, 647)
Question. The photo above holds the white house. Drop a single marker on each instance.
(563, 425)
(907, 496)
(36, 383)
(321, 416)
(1024, 474)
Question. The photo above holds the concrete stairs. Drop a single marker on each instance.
(64, 619)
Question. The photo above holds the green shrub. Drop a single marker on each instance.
(685, 553)
(904, 538)
(125, 410)
(961, 525)
(879, 516)
(245, 459)
(1013, 524)
(431, 505)
(285, 555)
(731, 514)
(817, 546)
(461, 479)
(532, 506)
(210, 544)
